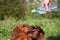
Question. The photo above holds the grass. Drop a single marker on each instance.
(51, 27)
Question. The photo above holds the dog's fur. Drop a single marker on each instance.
(27, 32)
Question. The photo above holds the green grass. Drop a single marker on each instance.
(51, 27)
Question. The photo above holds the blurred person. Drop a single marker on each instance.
(46, 4)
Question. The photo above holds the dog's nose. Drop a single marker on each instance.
(34, 39)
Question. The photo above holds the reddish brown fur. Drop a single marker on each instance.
(23, 36)
(26, 32)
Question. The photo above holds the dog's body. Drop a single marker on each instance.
(23, 36)
(26, 32)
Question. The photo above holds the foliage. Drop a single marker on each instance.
(12, 8)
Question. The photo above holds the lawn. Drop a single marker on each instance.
(51, 27)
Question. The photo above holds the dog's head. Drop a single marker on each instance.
(36, 33)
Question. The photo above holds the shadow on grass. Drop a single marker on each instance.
(54, 37)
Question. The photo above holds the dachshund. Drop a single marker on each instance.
(27, 32)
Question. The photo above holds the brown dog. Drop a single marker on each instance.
(26, 32)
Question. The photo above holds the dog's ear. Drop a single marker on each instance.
(14, 33)
(41, 33)
(41, 36)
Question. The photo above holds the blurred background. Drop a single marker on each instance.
(15, 12)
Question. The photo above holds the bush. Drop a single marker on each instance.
(13, 8)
